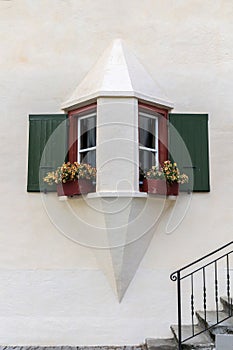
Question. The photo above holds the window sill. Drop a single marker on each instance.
(113, 194)
(123, 194)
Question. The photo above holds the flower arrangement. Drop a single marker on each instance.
(155, 173)
(172, 173)
(70, 172)
(169, 172)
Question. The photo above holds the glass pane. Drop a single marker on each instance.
(88, 132)
(88, 157)
(147, 132)
(146, 159)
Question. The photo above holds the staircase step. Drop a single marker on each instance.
(225, 327)
(201, 341)
(161, 344)
(226, 305)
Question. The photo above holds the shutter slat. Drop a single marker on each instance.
(188, 136)
(49, 133)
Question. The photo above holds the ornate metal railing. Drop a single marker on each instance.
(188, 274)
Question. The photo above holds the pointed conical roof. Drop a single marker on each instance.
(117, 73)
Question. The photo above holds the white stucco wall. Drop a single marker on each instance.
(52, 290)
(116, 154)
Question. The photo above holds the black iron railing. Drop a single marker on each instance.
(201, 267)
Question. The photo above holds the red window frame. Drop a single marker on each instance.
(162, 129)
(73, 130)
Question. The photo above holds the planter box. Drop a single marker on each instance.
(72, 188)
(173, 189)
(154, 186)
(160, 187)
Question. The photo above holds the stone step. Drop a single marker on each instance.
(226, 305)
(202, 341)
(224, 341)
(161, 344)
(225, 327)
(69, 347)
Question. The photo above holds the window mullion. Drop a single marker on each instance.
(148, 149)
(87, 149)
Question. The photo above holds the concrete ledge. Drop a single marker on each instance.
(113, 194)
(161, 344)
(224, 341)
(67, 347)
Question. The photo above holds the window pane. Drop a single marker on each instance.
(88, 132)
(146, 159)
(88, 157)
(147, 132)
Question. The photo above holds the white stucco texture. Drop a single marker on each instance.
(53, 290)
(117, 150)
(117, 73)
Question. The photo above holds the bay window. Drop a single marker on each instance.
(162, 136)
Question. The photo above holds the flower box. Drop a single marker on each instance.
(160, 187)
(72, 179)
(164, 180)
(76, 187)
(154, 186)
(173, 189)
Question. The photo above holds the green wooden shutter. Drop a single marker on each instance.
(188, 134)
(42, 133)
